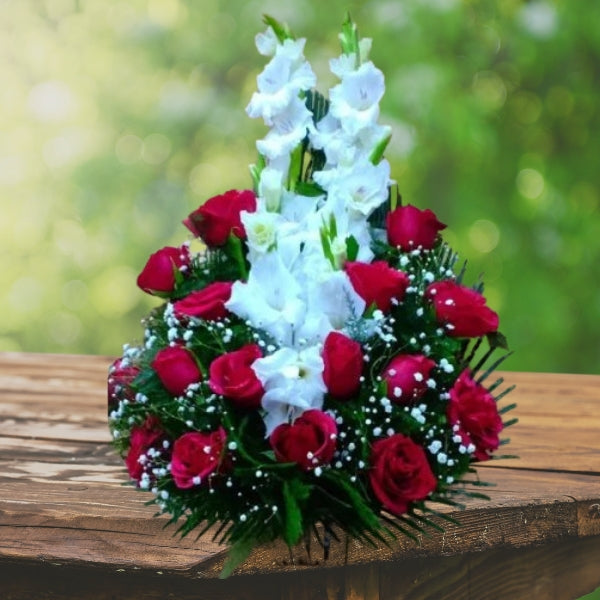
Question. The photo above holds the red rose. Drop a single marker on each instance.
(220, 216)
(207, 303)
(142, 438)
(176, 367)
(231, 375)
(473, 409)
(158, 276)
(377, 283)
(406, 376)
(400, 473)
(461, 309)
(343, 364)
(196, 455)
(120, 376)
(408, 227)
(309, 441)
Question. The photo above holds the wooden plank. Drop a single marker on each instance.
(61, 481)
(109, 524)
(547, 572)
(559, 417)
(53, 396)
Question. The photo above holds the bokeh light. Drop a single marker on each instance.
(120, 117)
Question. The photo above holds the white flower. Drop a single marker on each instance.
(362, 188)
(331, 303)
(270, 187)
(261, 230)
(271, 298)
(348, 223)
(293, 51)
(293, 382)
(355, 101)
(267, 42)
(290, 126)
(333, 140)
(296, 208)
(342, 65)
(280, 82)
(343, 149)
(347, 63)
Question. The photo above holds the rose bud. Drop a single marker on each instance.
(461, 309)
(232, 376)
(410, 228)
(176, 368)
(158, 276)
(196, 455)
(377, 283)
(473, 409)
(219, 217)
(309, 441)
(207, 303)
(120, 376)
(406, 376)
(343, 364)
(142, 438)
(400, 473)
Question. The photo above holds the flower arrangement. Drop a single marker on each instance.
(318, 365)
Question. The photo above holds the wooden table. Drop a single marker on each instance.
(69, 529)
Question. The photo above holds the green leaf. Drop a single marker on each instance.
(327, 246)
(512, 406)
(235, 250)
(396, 525)
(497, 340)
(377, 153)
(293, 513)
(332, 227)
(349, 38)
(360, 505)
(295, 170)
(352, 248)
(317, 104)
(238, 553)
(282, 30)
(491, 368)
(256, 170)
(309, 188)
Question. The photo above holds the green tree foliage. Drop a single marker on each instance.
(119, 118)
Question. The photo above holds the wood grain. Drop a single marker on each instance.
(551, 571)
(64, 512)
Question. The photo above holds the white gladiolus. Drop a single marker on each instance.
(261, 230)
(297, 291)
(280, 82)
(267, 42)
(270, 188)
(270, 299)
(355, 101)
(290, 126)
(362, 189)
(293, 383)
(331, 303)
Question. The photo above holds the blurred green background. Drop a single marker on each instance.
(117, 118)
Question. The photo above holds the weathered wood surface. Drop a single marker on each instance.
(65, 515)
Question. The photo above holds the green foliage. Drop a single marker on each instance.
(595, 595)
(118, 118)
